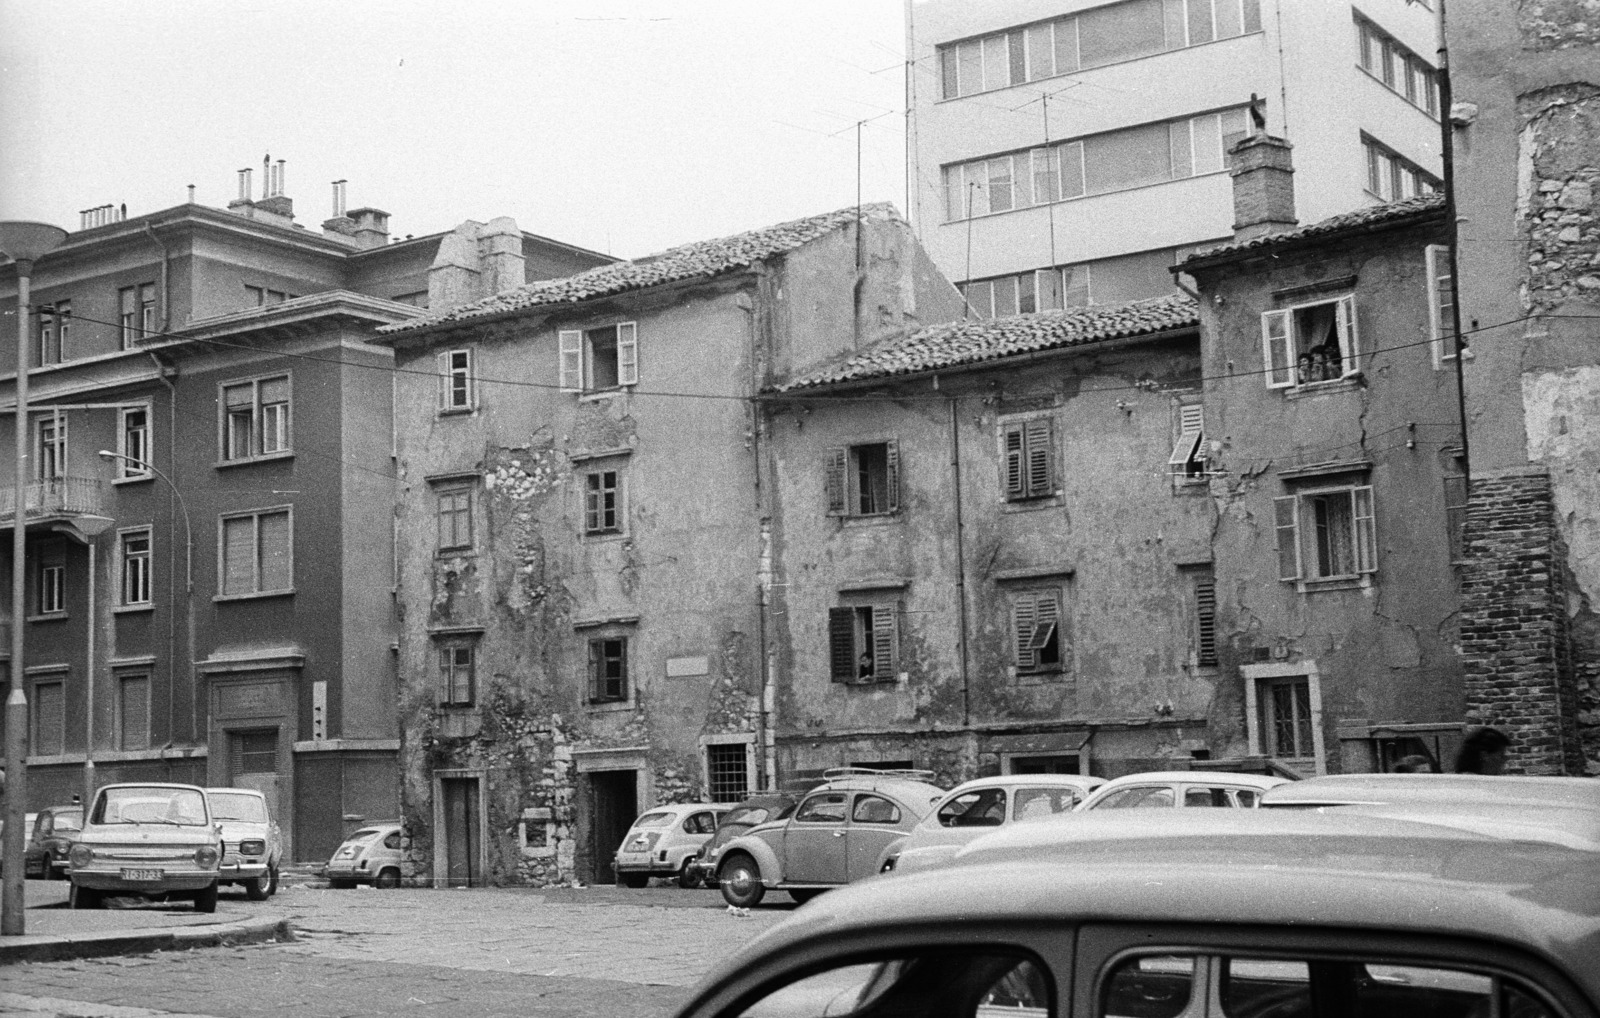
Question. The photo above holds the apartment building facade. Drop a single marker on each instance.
(208, 518)
(1065, 152)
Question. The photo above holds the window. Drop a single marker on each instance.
(134, 443)
(1204, 584)
(133, 712)
(52, 586)
(1285, 705)
(50, 448)
(1095, 164)
(55, 321)
(255, 421)
(1103, 281)
(1326, 534)
(128, 316)
(1441, 304)
(1029, 449)
(1140, 797)
(1399, 69)
(597, 360)
(1105, 35)
(49, 718)
(864, 480)
(1187, 464)
(256, 553)
(602, 502)
(1311, 343)
(863, 642)
(981, 807)
(608, 669)
(874, 809)
(457, 675)
(147, 311)
(254, 752)
(455, 518)
(134, 564)
(1391, 176)
(823, 808)
(728, 771)
(1036, 630)
(457, 385)
(258, 296)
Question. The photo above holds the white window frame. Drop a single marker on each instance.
(50, 595)
(751, 772)
(449, 664)
(1440, 323)
(620, 509)
(50, 446)
(127, 471)
(1254, 675)
(1278, 332)
(138, 580)
(1291, 525)
(575, 356)
(281, 435)
(458, 382)
(255, 560)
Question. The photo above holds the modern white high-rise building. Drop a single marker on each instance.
(1064, 152)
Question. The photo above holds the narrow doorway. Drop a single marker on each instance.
(613, 804)
(253, 763)
(462, 845)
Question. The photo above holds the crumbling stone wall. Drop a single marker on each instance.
(1559, 24)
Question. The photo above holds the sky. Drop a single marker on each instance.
(623, 126)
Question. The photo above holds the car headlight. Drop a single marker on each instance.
(206, 856)
(81, 855)
(256, 847)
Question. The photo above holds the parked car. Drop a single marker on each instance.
(835, 836)
(1195, 914)
(977, 807)
(156, 841)
(371, 855)
(665, 841)
(757, 809)
(252, 844)
(55, 830)
(1160, 789)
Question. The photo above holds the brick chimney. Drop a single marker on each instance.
(372, 227)
(1263, 187)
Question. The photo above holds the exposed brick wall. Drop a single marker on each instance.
(1518, 670)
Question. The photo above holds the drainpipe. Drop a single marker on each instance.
(1448, 158)
(961, 561)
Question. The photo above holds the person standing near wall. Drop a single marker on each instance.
(1483, 751)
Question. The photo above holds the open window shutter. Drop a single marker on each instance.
(1276, 351)
(885, 640)
(1191, 427)
(1349, 344)
(442, 366)
(445, 661)
(837, 467)
(841, 644)
(1287, 509)
(1016, 486)
(1039, 456)
(571, 347)
(1366, 538)
(1024, 613)
(891, 455)
(628, 353)
(596, 669)
(1435, 259)
(469, 379)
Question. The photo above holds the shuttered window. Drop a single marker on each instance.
(863, 642)
(1310, 344)
(862, 480)
(608, 669)
(1036, 630)
(1029, 459)
(49, 718)
(598, 360)
(257, 553)
(457, 386)
(1326, 534)
(1441, 304)
(1205, 619)
(1187, 462)
(133, 712)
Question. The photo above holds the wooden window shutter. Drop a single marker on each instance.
(1277, 349)
(885, 640)
(596, 669)
(469, 380)
(891, 457)
(1016, 456)
(1287, 511)
(442, 361)
(841, 644)
(1349, 344)
(628, 353)
(1040, 454)
(1024, 614)
(1205, 600)
(570, 342)
(1366, 538)
(446, 660)
(838, 469)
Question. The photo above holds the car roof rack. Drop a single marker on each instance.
(904, 773)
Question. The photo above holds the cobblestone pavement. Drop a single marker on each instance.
(483, 952)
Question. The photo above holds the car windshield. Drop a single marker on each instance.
(72, 821)
(747, 817)
(238, 806)
(653, 820)
(148, 804)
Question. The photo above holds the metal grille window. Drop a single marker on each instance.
(457, 675)
(133, 712)
(602, 502)
(256, 553)
(727, 771)
(256, 418)
(1029, 459)
(1286, 717)
(608, 669)
(455, 519)
(49, 718)
(134, 559)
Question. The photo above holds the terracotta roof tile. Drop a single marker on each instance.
(975, 341)
(700, 259)
(1372, 215)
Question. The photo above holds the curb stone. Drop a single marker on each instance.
(101, 945)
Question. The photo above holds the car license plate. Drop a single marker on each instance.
(142, 874)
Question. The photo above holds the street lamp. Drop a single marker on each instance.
(25, 243)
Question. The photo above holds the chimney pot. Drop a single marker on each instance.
(1263, 187)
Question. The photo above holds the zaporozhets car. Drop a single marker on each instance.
(54, 831)
(836, 835)
(1193, 914)
(155, 841)
(369, 856)
(665, 841)
(977, 807)
(252, 845)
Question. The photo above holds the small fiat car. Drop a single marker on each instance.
(54, 831)
(371, 855)
(836, 835)
(156, 841)
(977, 807)
(665, 842)
(252, 845)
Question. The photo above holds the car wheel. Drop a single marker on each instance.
(633, 880)
(272, 879)
(84, 897)
(206, 900)
(340, 884)
(801, 895)
(740, 880)
(387, 878)
(689, 875)
(256, 888)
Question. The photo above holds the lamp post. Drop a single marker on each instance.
(25, 243)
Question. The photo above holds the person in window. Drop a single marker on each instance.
(1483, 751)
(1304, 369)
(864, 669)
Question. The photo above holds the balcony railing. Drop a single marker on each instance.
(58, 496)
